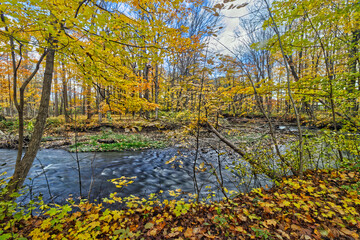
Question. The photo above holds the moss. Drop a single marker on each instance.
(120, 142)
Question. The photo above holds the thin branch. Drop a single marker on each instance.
(78, 9)
(27, 81)
(21, 57)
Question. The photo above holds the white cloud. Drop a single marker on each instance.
(231, 20)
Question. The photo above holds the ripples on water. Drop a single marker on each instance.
(149, 166)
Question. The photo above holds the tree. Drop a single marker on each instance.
(93, 37)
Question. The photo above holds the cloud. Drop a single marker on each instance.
(231, 25)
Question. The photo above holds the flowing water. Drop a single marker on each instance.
(55, 172)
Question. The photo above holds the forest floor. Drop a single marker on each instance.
(324, 204)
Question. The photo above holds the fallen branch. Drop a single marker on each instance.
(253, 162)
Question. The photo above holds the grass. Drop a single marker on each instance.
(121, 142)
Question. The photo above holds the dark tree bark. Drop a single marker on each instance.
(87, 102)
(353, 70)
(156, 89)
(22, 167)
(56, 103)
(65, 94)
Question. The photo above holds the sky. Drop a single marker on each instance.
(231, 23)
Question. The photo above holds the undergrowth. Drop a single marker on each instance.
(324, 204)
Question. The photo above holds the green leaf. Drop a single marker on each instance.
(149, 225)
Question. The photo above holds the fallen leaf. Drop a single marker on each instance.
(188, 233)
(270, 222)
(240, 229)
(349, 233)
(295, 227)
(149, 225)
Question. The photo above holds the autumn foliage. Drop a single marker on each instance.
(295, 60)
(323, 205)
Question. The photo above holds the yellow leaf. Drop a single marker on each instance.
(46, 224)
(93, 225)
(285, 203)
(105, 228)
(171, 160)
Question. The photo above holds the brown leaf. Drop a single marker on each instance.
(200, 220)
(295, 227)
(210, 236)
(242, 218)
(270, 222)
(188, 233)
(152, 232)
(278, 236)
(351, 174)
(173, 234)
(306, 237)
(284, 234)
(242, 5)
(349, 233)
(219, 5)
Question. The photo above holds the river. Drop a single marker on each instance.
(55, 173)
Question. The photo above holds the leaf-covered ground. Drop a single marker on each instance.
(323, 205)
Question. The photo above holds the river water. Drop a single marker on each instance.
(55, 173)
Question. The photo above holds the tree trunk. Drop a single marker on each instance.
(100, 96)
(56, 103)
(87, 99)
(9, 89)
(65, 94)
(22, 167)
(147, 91)
(156, 90)
(353, 70)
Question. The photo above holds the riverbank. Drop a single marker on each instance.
(136, 134)
(325, 204)
(109, 135)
